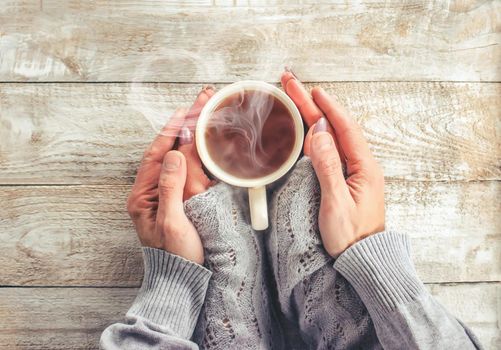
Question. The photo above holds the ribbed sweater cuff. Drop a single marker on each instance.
(380, 269)
(172, 292)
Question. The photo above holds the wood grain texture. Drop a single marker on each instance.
(82, 236)
(439, 143)
(417, 40)
(73, 318)
(478, 305)
(96, 133)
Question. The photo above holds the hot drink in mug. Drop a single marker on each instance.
(250, 134)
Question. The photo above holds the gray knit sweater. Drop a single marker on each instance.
(279, 289)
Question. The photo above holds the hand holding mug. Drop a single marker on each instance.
(164, 179)
(350, 209)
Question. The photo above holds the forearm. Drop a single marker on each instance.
(166, 308)
(404, 314)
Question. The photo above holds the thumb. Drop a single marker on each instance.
(326, 162)
(171, 184)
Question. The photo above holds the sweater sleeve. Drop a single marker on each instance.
(404, 313)
(166, 309)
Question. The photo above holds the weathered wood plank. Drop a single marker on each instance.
(455, 228)
(339, 41)
(82, 236)
(96, 133)
(59, 318)
(73, 318)
(478, 305)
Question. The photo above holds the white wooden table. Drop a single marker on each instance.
(82, 81)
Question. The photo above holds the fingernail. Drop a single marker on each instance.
(208, 87)
(172, 161)
(321, 125)
(289, 69)
(185, 136)
(322, 141)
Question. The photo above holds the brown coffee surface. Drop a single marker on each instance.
(250, 134)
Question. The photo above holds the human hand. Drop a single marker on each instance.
(166, 177)
(350, 209)
(308, 109)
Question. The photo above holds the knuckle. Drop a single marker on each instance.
(329, 165)
(365, 175)
(150, 153)
(358, 165)
(166, 184)
(132, 207)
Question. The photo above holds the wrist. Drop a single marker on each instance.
(358, 238)
(188, 247)
(343, 243)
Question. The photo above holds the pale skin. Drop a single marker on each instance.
(165, 178)
(350, 209)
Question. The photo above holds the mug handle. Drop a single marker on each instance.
(258, 208)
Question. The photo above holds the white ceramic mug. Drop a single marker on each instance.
(257, 186)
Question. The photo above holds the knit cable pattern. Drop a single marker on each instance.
(237, 313)
(315, 299)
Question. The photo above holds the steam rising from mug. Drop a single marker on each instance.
(245, 116)
(156, 103)
(250, 134)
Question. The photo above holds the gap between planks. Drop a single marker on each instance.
(320, 82)
(448, 284)
(387, 181)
